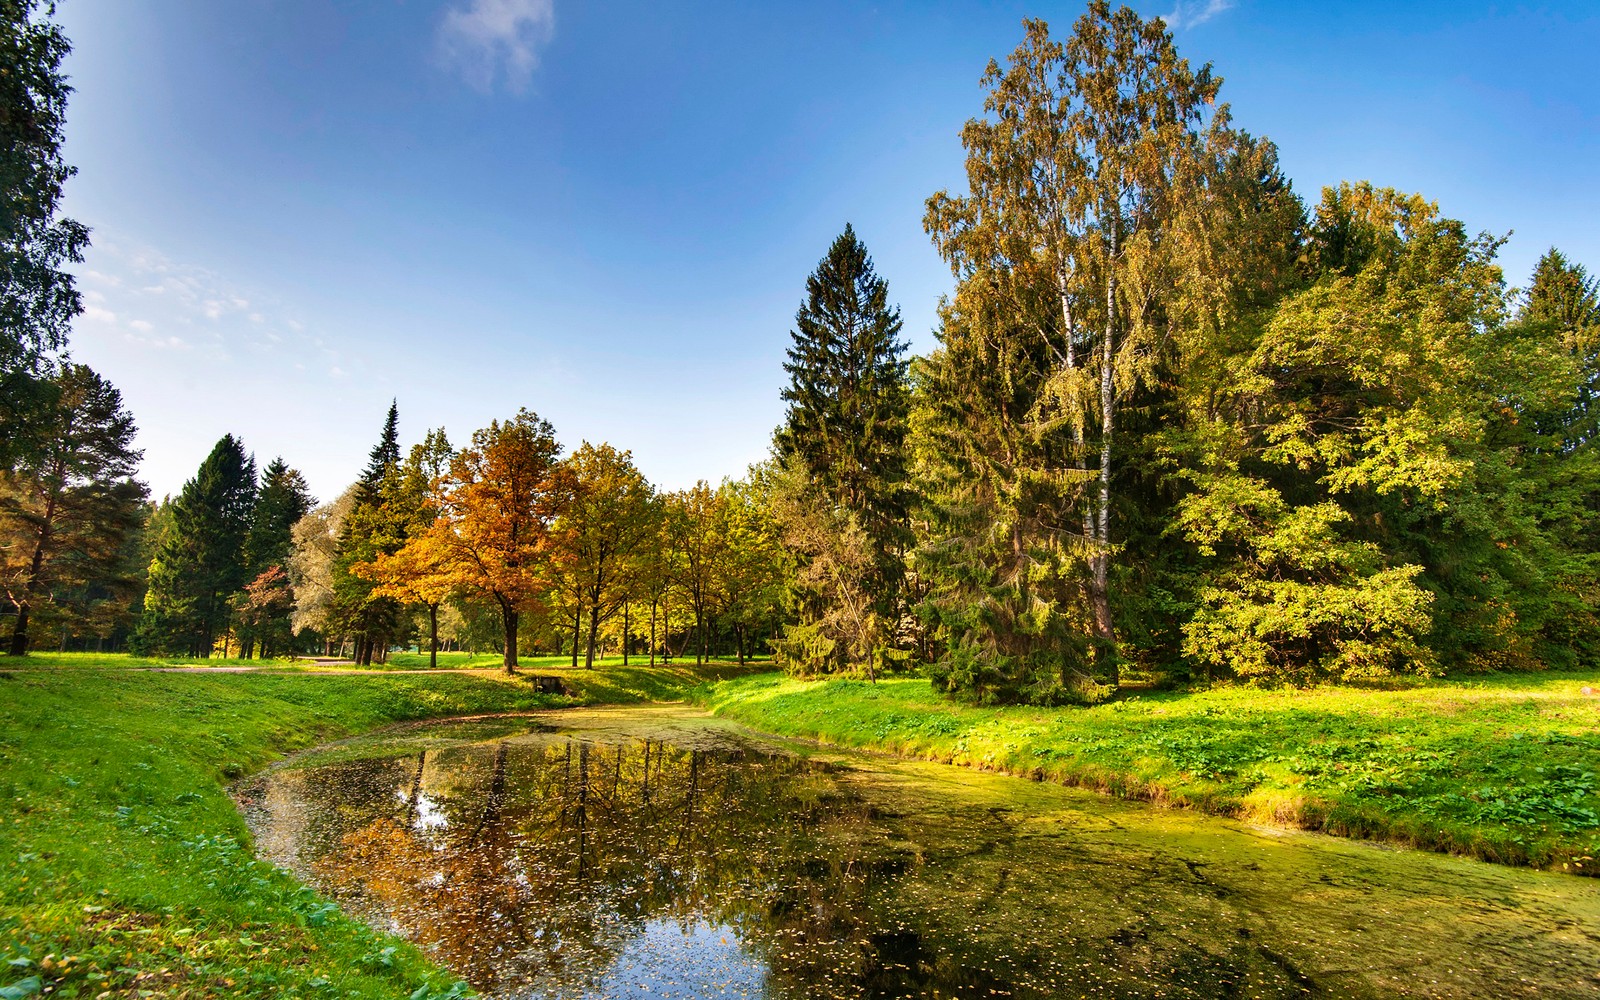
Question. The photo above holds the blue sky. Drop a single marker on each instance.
(606, 212)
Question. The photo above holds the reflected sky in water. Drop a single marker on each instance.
(654, 853)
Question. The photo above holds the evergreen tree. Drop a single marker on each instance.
(201, 566)
(281, 503)
(70, 508)
(1561, 311)
(844, 440)
(375, 526)
(38, 298)
(284, 499)
(385, 455)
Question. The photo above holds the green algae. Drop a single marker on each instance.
(534, 856)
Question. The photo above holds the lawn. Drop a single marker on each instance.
(1502, 767)
(124, 866)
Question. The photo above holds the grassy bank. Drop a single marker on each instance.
(124, 866)
(1500, 767)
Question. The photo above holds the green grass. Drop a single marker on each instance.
(120, 661)
(1501, 767)
(124, 866)
(538, 664)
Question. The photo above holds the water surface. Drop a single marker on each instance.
(655, 852)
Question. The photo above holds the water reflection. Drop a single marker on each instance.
(618, 859)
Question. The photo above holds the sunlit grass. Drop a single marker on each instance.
(124, 866)
(1502, 767)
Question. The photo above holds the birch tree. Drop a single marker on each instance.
(1077, 180)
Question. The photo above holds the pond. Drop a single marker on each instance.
(655, 852)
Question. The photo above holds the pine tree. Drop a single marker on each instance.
(68, 510)
(843, 438)
(201, 566)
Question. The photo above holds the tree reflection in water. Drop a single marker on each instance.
(590, 864)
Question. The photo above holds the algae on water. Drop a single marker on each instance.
(658, 852)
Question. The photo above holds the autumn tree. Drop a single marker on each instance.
(281, 502)
(498, 506)
(38, 297)
(69, 506)
(311, 567)
(416, 574)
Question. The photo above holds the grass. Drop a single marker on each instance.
(124, 867)
(1501, 767)
(536, 664)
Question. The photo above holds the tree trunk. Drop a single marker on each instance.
(19, 634)
(594, 632)
(625, 624)
(577, 626)
(508, 614)
(433, 636)
(1099, 563)
(653, 602)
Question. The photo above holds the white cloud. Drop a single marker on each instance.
(141, 325)
(96, 314)
(493, 42)
(1189, 13)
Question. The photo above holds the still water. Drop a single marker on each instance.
(658, 853)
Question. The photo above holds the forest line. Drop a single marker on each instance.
(1180, 422)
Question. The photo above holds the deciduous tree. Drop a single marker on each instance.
(38, 297)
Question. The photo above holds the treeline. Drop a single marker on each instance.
(1179, 422)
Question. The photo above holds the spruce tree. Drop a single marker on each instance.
(372, 529)
(283, 500)
(201, 565)
(843, 442)
(385, 455)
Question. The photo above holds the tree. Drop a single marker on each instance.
(1094, 151)
(608, 519)
(756, 570)
(1562, 305)
(311, 567)
(38, 299)
(200, 566)
(68, 508)
(1376, 488)
(375, 526)
(844, 440)
(263, 611)
(282, 501)
(693, 517)
(497, 511)
(416, 574)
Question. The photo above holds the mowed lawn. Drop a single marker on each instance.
(124, 866)
(1501, 767)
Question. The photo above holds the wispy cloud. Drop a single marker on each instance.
(496, 42)
(1188, 13)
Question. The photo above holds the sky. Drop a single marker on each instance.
(606, 212)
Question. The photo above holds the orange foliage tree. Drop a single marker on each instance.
(493, 533)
